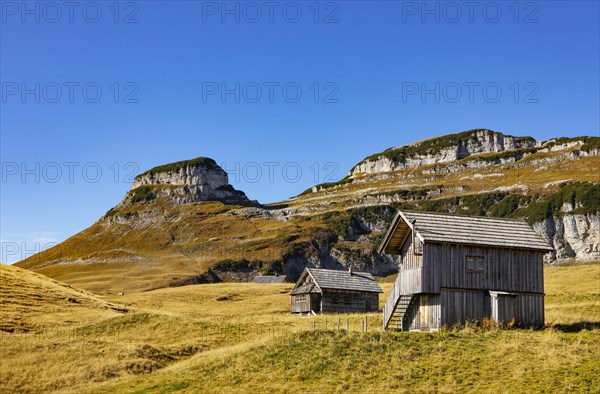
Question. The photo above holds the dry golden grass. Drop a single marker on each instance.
(163, 242)
(28, 299)
(572, 294)
(236, 337)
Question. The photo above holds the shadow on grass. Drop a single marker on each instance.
(577, 327)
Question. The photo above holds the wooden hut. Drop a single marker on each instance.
(455, 269)
(268, 279)
(334, 291)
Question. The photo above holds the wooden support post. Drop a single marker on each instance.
(347, 325)
(366, 324)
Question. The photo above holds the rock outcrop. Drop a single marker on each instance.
(571, 236)
(161, 227)
(442, 150)
(195, 180)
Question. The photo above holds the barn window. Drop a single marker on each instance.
(347, 300)
(301, 298)
(475, 264)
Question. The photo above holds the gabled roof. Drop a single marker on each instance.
(338, 280)
(268, 279)
(305, 289)
(445, 228)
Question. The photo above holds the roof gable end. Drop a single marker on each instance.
(445, 228)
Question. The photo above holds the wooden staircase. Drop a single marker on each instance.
(396, 307)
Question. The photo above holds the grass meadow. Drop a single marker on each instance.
(237, 338)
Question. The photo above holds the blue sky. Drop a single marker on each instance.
(96, 93)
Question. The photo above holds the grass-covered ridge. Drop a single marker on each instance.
(581, 197)
(141, 194)
(435, 145)
(241, 338)
(159, 241)
(428, 147)
(327, 185)
(589, 143)
(332, 361)
(205, 162)
(517, 154)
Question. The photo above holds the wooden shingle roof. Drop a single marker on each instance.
(444, 228)
(268, 279)
(305, 289)
(339, 280)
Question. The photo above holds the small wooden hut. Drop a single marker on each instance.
(268, 279)
(455, 269)
(334, 291)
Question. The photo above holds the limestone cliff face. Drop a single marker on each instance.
(160, 222)
(572, 236)
(442, 150)
(195, 180)
(210, 177)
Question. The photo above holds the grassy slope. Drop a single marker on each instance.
(240, 338)
(30, 302)
(185, 240)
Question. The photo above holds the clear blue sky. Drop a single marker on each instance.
(366, 64)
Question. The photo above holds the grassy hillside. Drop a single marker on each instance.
(33, 303)
(240, 338)
(152, 243)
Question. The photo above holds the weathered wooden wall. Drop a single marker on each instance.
(411, 266)
(487, 268)
(459, 306)
(526, 309)
(340, 301)
(425, 314)
(410, 260)
(300, 303)
(304, 303)
(453, 284)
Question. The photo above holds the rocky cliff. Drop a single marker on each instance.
(574, 237)
(442, 150)
(182, 223)
(195, 180)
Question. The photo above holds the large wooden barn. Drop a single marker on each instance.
(331, 291)
(455, 269)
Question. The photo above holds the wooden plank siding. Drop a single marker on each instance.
(426, 314)
(500, 269)
(409, 259)
(526, 309)
(411, 266)
(459, 306)
(464, 269)
(340, 301)
(453, 282)
(300, 303)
